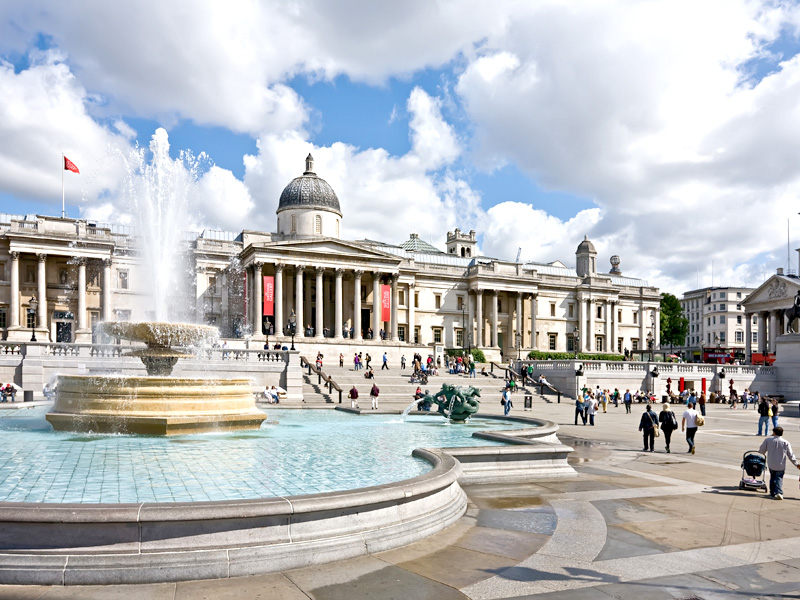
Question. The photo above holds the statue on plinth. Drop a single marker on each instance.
(455, 402)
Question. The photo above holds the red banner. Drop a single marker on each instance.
(70, 166)
(386, 303)
(269, 295)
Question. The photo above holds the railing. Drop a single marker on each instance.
(6, 348)
(509, 373)
(116, 351)
(321, 376)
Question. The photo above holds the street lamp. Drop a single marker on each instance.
(293, 326)
(576, 335)
(519, 345)
(34, 304)
(702, 351)
(650, 344)
(653, 328)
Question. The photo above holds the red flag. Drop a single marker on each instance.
(386, 302)
(70, 166)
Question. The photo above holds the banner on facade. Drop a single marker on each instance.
(269, 296)
(386, 303)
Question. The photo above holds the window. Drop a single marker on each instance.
(460, 301)
(738, 307)
(2, 271)
(708, 340)
(318, 225)
(619, 316)
(459, 337)
(552, 309)
(499, 305)
(755, 337)
(740, 337)
(715, 308)
(722, 319)
(401, 332)
(635, 343)
(619, 345)
(738, 295)
(738, 319)
(30, 274)
(722, 307)
(437, 335)
(722, 336)
(294, 224)
(122, 280)
(755, 320)
(598, 343)
(416, 299)
(401, 300)
(212, 284)
(635, 318)
(437, 301)
(571, 311)
(552, 339)
(3, 323)
(714, 320)
(416, 334)
(709, 321)
(599, 311)
(722, 295)
(571, 343)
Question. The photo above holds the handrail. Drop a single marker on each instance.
(321, 376)
(509, 372)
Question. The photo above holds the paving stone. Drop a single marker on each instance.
(274, 586)
(500, 542)
(769, 578)
(22, 592)
(542, 520)
(458, 567)
(674, 587)
(150, 591)
(625, 511)
(622, 543)
(685, 534)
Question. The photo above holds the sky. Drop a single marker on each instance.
(666, 131)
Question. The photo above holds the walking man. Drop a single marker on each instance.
(689, 425)
(763, 415)
(373, 394)
(627, 399)
(353, 395)
(777, 450)
(647, 425)
(385, 362)
(668, 422)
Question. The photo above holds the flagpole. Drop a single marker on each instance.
(63, 211)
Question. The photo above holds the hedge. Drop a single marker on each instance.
(535, 355)
(477, 354)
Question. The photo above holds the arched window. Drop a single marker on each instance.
(469, 252)
(294, 223)
(463, 252)
(318, 225)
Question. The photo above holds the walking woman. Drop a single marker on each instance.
(668, 421)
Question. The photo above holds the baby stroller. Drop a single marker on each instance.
(753, 467)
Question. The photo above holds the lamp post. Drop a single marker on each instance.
(650, 344)
(34, 304)
(576, 335)
(702, 351)
(519, 345)
(653, 332)
(293, 326)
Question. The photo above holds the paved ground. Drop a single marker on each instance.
(631, 525)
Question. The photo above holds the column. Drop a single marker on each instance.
(298, 302)
(81, 294)
(773, 330)
(762, 333)
(395, 337)
(479, 320)
(320, 297)
(258, 298)
(376, 305)
(337, 309)
(411, 319)
(590, 345)
(495, 323)
(534, 306)
(199, 305)
(607, 310)
(278, 297)
(519, 321)
(748, 339)
(469, 326)
(14, 317)
(357, 305)
(642, 333)
(657, 332)
(41, 293)
(613, 309)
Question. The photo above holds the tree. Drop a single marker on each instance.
(674, 326)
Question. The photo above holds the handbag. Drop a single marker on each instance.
(655, 425)
(700, 420)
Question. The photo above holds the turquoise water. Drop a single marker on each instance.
(305, 452)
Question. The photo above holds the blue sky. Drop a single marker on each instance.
(665, 131)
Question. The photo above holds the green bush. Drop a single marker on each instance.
(477, 354)
(536, 355)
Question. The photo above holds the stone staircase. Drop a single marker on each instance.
(396, 390)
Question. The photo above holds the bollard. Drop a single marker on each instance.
(340, 396)
(559, 397)
(27, 396)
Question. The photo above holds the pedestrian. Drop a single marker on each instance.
(668, 422)
(385, 362)
(355, 361)
(628, 400)
(775, 408)
(579, 410)
(591, 409)
(367, 359)
(506, 401)
(353, 395)
(341, 359)
(777, 450)
(648, 425)
(763, 416)
(616, 397)
(373, 394)
(471, 368)
(745, 398)
(403, 362)
(702, 402)
(689, 424)
(603, 399)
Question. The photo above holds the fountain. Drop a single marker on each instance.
(455, 403)
(157, 404)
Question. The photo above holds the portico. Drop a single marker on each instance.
(767, 306)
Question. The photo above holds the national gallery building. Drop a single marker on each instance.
(337, 292)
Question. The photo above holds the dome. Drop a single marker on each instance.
(585, 246)
(309, 191)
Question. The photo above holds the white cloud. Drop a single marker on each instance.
(432, 138)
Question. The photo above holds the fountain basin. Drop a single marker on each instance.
(153, 405)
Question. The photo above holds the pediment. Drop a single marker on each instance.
(329, 248)
(777, 291)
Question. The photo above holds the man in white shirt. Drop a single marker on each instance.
(777, 450)
(689, 425)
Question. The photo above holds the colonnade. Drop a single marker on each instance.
(15, 320)
(769, 325)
